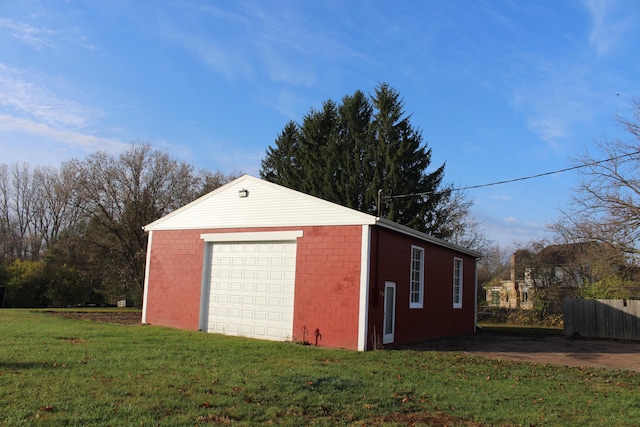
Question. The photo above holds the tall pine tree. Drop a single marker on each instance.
(346, 153)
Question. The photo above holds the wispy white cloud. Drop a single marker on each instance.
(22, 96)
(288, 102)
(84, 141)
(29, 106)
(26, 33)
(510, 231)
(209, 34)
(500, 196)
(560, 97)
(247, 42)
(559, 88)
(38, 37)
(608, 25)
(218, 57)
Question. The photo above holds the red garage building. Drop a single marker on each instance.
(259, 260)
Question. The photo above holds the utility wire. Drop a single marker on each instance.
(508, 181)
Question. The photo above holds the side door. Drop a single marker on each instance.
(389, 326)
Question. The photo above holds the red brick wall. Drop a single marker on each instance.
(328, 286)
(437, 318)
(175, 277)
(327, 282)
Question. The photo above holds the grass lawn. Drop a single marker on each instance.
(57, 371)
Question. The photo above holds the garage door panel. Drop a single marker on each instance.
(273, 333)
(251, 289)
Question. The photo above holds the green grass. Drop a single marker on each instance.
(56, 371)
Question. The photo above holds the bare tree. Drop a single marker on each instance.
(56, 203)
(16, 212)
(122, 194)
(606, 205)
(209, 181)
(6, 233)
(494, 263)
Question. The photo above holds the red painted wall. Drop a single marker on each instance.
(328, 286)
(175, 277)
(437, 318)
(327, 282)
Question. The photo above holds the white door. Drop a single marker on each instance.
(389, 326)
(251, 289)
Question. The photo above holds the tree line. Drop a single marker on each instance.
(73, 234)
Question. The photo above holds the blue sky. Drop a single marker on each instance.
(500, 89)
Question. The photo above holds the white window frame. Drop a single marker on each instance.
(458, 269)
(416, 270)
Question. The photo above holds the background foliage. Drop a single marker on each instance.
(73, 235)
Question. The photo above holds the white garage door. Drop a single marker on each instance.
(251, 289)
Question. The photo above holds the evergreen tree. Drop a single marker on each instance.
(401, 161)
(281, 165)
(317, 151)
(346, 153)
(353, 137)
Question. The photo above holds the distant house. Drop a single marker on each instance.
(514, 292)
(259, 260)
(557, 266)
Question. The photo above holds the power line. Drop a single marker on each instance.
(508, 181)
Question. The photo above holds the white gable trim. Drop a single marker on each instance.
(257, 236)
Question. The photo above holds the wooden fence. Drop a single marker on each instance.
(603, 318)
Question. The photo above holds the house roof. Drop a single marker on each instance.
(271, 205)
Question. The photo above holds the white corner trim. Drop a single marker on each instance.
(203, 320)
(255, 236)
(475, 304)
(365, 263)
(145, 292)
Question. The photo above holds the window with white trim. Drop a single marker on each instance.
(416, 290)
(457, 283)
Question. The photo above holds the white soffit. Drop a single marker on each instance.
(264, 205)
